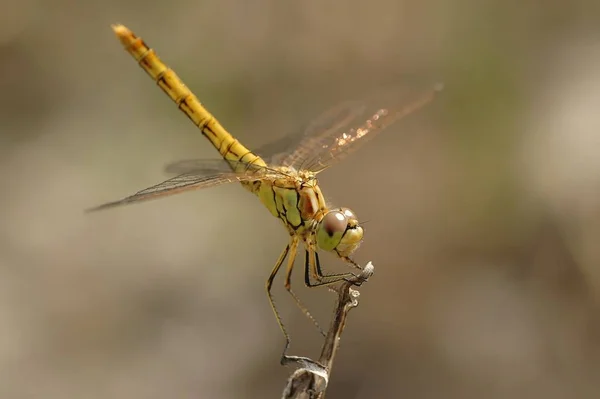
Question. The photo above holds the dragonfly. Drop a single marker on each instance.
(282, 174)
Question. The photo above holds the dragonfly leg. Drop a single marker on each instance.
(353, 263)
(288, 287)
(269, 285)
(290, 250)
(312, 266)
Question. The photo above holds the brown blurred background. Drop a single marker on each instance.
(483, 210)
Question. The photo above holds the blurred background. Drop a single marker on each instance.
(483, 210)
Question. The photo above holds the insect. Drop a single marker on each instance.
(284, 179)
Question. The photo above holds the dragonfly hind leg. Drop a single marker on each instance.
(269, 285)
(291, 250)
(288, 286)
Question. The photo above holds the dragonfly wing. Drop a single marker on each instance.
(203, 167)
(346, 127)
(193, 175)
(288, 150)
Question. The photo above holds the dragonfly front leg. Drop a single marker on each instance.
(312, 267)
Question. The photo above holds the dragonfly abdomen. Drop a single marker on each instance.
(231, 149)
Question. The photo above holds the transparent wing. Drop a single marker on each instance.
(344, 128)
(193, 175)
(200, 167)
(286, 151)
(208, 167)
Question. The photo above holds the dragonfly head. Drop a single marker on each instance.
(339, 231)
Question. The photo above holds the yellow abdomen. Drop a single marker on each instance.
(229, 147)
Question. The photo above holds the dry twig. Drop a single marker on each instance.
(310, 380)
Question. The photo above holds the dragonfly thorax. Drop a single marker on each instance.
(339, 231)
(296, 199)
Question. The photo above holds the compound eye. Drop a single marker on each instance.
(334, 222)
(331, 229)
(348, 213)
(350, 216)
